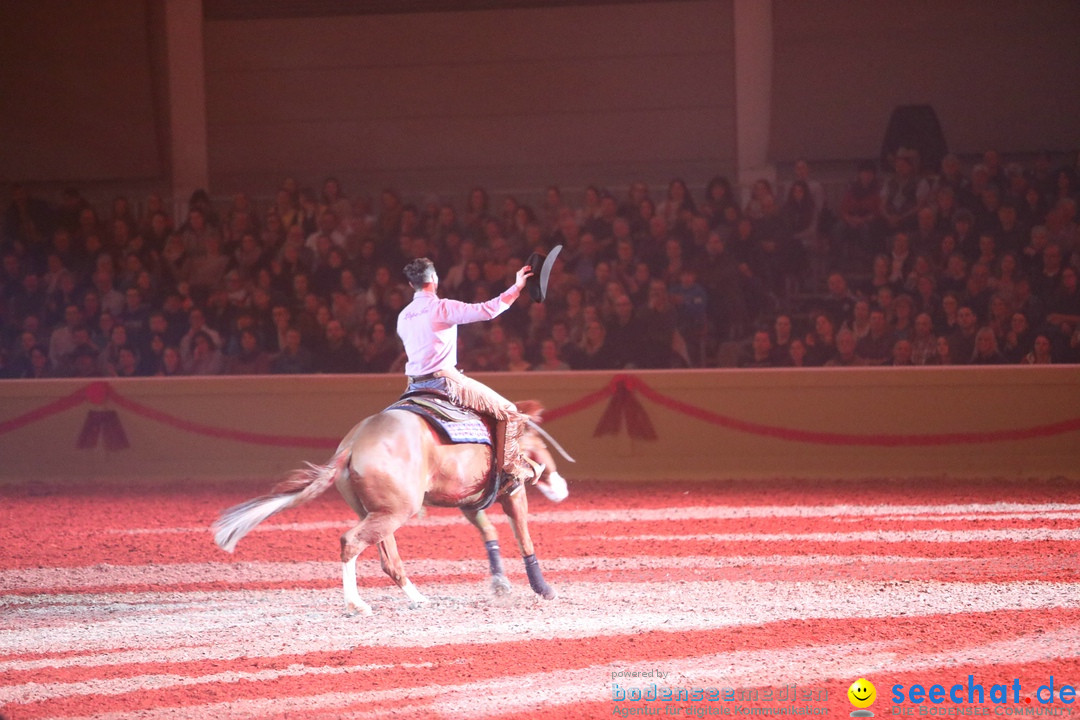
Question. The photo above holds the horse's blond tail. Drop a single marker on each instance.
(301, 486)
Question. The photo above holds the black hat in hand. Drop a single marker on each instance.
(537, 284)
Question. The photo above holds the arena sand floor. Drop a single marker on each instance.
(727, 598)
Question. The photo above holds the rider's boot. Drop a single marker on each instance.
(536, 467)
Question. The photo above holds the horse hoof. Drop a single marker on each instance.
(416, 598)
(352, 609)
(500, 585)
(548, 593)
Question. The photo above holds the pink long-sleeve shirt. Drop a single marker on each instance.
(428, 327)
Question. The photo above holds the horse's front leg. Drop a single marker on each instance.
(392, 566)
(516, 507)
(499, 583)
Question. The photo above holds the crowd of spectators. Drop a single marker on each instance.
(908, 268)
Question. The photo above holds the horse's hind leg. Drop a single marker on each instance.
(369, 531)
(392, 566)
(516, 507)
(499, 584)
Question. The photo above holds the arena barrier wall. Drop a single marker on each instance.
(715, 424)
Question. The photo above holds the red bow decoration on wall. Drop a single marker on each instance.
(624, 406)
(104, 424)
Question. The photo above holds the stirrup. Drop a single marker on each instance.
(538, 470)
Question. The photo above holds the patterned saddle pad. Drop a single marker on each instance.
(456, 424)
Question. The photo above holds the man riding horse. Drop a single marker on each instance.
(393, 463)
(428, 328)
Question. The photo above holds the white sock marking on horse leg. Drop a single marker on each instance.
(353, 603)
(555, 489)
(414, 595)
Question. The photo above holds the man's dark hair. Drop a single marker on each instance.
(419, 272)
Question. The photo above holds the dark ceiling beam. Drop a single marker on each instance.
(270, 9)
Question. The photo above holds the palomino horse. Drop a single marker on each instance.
(387, 468)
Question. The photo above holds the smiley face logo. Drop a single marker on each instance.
(862, 695)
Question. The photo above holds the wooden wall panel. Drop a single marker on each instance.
(999, 75)
(77, 89)
(438, 102)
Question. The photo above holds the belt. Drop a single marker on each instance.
(422, 378)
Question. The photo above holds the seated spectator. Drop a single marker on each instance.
(859, 323)
(903, 311)
(923, 342)
(135, 316)
(624, 334)
(515, 356)
(206, 271)
(205, 358)
(796, 354)
(660, 345)
(821, 343)
(861, 230)
(1046, 280)
(926, 298)
(251, 360)
(84, 362)
(150, 354)
(904, 191)
(926, 237)
(986, 349)
(884, 298)
(999, 316)
(921, 269)
(847, 354)
(337, 355)
(1064, 305)
(879, 277)
(38, 364)
(127, 364)
(944, 354)
(978, 291)
(839, 302)
(110, 354)
(380, 350)
(17, 361)
(1041, 351)
(171, 363)
(62, 342)
(781, 340)
(197, 324)
(594, 352)
(759, 353)
(1025, 302)
(549, 357)
(877, 346)
(962, 339)
(954, 278)
(946, 317)
(901, 354)
(1018, 338)
(901, 259)
(1031, 254)
(1004, 280)
(294, 358)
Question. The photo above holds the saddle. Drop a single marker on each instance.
(457, 425)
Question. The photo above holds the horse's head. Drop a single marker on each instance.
(532, 408)
(550, 482)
